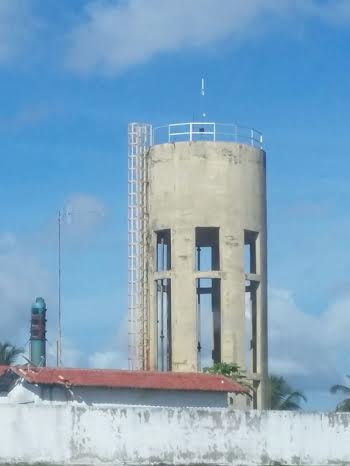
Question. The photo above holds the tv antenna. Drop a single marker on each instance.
(202, 98)
(31, 363)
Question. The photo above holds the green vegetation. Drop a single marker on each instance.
(282, 395)
(232, 371)
(9, 354)
(343, 406)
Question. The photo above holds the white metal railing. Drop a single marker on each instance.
(207, 131)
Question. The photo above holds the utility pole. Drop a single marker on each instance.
(203, 99)
(61, 220)
(59, 330)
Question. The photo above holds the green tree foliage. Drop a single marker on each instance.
(9, 354)
(344, 405)
(232, 371)
(283, 396)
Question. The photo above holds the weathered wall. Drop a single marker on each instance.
(114, 397)
(69, 434)
(209, 184)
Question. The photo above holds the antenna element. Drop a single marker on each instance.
(203, 94)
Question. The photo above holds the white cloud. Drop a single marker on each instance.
(82, 214)
(116, 355)
(115, 35)
(337, 11)
(26, 272)
(108, 360)
(7, 242)
(17, 26)
(22, 278)
(83, 211)
(108, 36)
(111, 35)
(311, 350)
(29, 115)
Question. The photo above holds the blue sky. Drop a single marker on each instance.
(73, 74)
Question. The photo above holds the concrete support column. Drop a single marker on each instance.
(262, 330)
(183, 305)
(232, 299)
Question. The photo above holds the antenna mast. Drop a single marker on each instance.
(59, 330)
(202, 98)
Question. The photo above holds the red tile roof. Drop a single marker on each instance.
(127, 379)
(3, 369)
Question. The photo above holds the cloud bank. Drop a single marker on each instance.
(310, 350)
(22, 278)
(111, 36)
(17, 28)
(26, 272)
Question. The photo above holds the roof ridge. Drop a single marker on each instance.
(124, 371)
(118, 378)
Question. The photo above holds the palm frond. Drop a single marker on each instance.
(282, 395)
(291, 401)
(299, 395)
(343, 406)
(340, 388)
(8, 353)
(290, 406)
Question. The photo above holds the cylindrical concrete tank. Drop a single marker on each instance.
(38, 333)
(205, 255)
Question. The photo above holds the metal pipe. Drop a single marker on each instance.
(59, 332)
(199, 362)
(163, 253)
(161, 326)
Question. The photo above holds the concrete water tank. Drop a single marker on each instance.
(204, 254)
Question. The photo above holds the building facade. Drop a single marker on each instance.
(115, 388)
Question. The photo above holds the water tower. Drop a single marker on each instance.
(197, 249)
(38, 333)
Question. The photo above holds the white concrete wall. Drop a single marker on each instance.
(68, 434)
